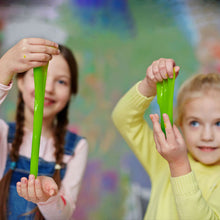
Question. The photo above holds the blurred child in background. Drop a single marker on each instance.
(63, 154)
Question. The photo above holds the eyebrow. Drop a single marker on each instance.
(196, 118)
(63, 76)
(192, 118)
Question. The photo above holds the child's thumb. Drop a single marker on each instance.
(53, 192)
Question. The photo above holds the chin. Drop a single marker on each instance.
(210, 163)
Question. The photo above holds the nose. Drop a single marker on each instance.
(207, 133)
(49, 85)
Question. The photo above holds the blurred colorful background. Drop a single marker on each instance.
(114, 41)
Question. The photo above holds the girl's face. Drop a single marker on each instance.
(201, 128)
(57, 90)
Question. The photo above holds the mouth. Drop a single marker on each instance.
(207, 149)
(48, 102)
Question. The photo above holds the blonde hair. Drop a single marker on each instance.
(194, 87)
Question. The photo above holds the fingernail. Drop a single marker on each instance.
(23, 180)
(164, 115)
(31, 177)
(51, 192)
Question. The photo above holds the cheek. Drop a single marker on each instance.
(191, 138)
(187, 134)
(64, 97)
(28, 91)
(29, 85)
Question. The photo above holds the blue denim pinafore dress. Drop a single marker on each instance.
(17, 206)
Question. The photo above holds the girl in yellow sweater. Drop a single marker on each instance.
(184, 168)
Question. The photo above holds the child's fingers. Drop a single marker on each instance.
(24, 188)
(49, 186)
(52, 192)
(177, 69)
(40, 41)
(43, 49)
(156, 71)
(31, 188)
(37, 57)
(178, 135)
(170, 63)
(159, 136)
(36, 49)
(162, 68)
(155, 120)
(169, 129)
(39, 190)
(150, 75)
(18, 188)
(156, 142)
(37, 63)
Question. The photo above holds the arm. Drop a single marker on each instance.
(190, 201)
(128, 115)
(4, 91)
(64, 203)
(4, 148)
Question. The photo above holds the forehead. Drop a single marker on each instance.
(206, 104)
(59, 66)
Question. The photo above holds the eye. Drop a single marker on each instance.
(194, 123)
(62, 82)
(218, 123)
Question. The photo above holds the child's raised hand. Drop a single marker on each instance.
(37, 190)
(158, 71)
(172, 147)
(26, 54)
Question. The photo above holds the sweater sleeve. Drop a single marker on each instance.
(63, 204)
(3, 130)
(190, 201)
(128, 117)
(4, 91)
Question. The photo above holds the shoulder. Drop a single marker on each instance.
(76, 150)
(73, 141)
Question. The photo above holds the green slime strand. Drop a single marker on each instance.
(40, 76)
(165, 91)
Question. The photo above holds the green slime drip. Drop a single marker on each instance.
(40, 76)
(165, 91)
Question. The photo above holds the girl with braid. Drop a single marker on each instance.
(63, 154)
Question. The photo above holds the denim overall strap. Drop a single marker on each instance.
(71, 141)
(17, 206)
(11, 131)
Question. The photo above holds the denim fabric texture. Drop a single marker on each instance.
(17, 206)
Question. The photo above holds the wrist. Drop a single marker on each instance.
(146, 89)
(180, 168)
(6, 75)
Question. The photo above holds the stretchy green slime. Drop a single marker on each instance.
(165, 91)
(40, 76)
